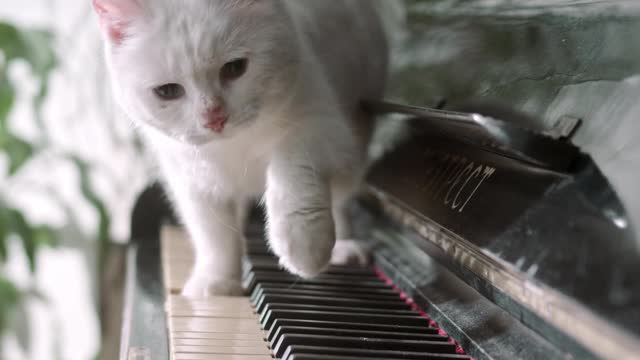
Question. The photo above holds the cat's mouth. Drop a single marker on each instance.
(213, 129)
(217, 124)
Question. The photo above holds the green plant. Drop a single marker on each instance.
(34, 48)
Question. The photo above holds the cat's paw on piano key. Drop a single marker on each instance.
(199, 287)
(350, 252)
(303, 244)
(305, 262)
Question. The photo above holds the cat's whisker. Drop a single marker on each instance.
(225, 224)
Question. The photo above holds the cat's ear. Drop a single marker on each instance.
(115, 16)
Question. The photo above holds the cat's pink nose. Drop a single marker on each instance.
(215, 119)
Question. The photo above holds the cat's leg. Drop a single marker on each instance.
(347, 250)
(218, 244)
(243, 209)
(300, 224)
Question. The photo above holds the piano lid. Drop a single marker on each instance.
(506, 138)
(554, 239)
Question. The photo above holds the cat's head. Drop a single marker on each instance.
(197, 70)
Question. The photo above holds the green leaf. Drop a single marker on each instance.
(33, 46)
(19, 323)
(104, 221)
(18, 150)
(7, 97)
(4, 236)
(9, 298)
(37, 105)
(9, 41)
(44, 236)
(31, 237)
(20, 227)
(95, 201)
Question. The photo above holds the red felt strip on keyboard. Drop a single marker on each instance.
(416, 308)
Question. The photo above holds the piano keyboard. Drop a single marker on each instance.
(346, 314)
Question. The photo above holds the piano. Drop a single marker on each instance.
(497, 231)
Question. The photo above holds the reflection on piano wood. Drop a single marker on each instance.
(348, 313)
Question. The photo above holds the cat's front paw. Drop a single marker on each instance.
(199, 287)
(303, 244)
(350, 252)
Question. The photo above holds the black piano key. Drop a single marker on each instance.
(334, 309)
(417, 346)
(252, 280)
(311, 287)
(330, 301)
(283, 276)
(281, 330)
(254, 231)
(350, 270)
(313, 290)
(351, 277)
(338, 324)
(346, 313)
(259, 251)
(255, 240)
(270, 263)
(297, 352)
(329, 357)
(409, 320)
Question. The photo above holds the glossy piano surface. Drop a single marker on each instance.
(554, 247)
(533, 61)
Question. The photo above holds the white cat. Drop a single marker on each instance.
(247, 98)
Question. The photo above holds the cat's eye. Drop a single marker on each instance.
(233, 69)
(169, 91)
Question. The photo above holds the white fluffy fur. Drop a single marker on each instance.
(294, 133)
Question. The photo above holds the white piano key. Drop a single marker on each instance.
(226, 300)
(220, 327)
(213, 336)
(235, 350)
(215, 324)
(215, 307)
(211, 314)
(191, 356)
(226, 342)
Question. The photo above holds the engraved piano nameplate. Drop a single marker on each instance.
(453, 184)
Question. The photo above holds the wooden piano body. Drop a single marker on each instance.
(515, 234)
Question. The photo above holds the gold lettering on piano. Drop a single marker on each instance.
(454, 179)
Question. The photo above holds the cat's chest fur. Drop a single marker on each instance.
(228, 168)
